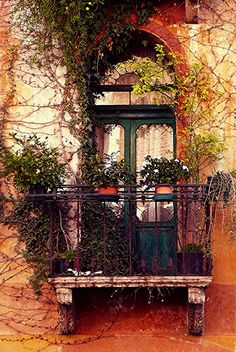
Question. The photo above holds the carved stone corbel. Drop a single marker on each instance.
(66, 318)
(64, 295)
(196, 302)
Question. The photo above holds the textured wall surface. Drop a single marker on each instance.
(106, 323)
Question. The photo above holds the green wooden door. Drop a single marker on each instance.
(144, 130)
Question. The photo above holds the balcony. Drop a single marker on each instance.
(135, 238)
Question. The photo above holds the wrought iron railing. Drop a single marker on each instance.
(132, 233)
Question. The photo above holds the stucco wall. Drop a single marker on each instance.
(155, 327)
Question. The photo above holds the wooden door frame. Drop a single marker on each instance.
(149, 114)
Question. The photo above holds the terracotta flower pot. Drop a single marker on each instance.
(164, 189)
(108, 193)
(163, 193)
(106, 189)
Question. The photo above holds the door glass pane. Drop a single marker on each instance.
(110, 140)
(123, 74)
(114, 98)
(156, 98)
(155, 140)
(163, 211)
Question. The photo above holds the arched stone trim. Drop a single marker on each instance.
(172, 43)
(169, 40)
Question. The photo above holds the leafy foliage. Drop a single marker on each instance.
(107, 171)
(189, 94)
(32, 220)
(193, 248)
(202, 149)
(85, 36)
(105, 218)
(89, 37)
(163, 170)
(34, 164)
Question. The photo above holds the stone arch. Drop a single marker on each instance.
(173, 44)
(168, 39)
(158, 34)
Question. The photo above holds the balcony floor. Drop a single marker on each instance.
(130, 281)
(196, 285)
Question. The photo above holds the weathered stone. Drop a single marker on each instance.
(65, 319)
(196, 295)
(196, 300)
(64, 295)
(196, 319)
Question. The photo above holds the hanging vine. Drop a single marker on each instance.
(83, 39)
(86, 35)
(86, 46)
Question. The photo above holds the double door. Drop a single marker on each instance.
(131, 133)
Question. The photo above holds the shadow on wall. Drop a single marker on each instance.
(131, 310)
(220, 309)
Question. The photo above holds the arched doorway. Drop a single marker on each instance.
(137, 126)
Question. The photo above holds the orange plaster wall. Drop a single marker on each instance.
(224, 247)
(170, 12)
(221, 295)
(21, 312)
(158, 326)
(150, 343)
(220, 310)
(5, 85)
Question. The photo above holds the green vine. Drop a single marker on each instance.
(87, 38)
(91, 36)
(35, 168)
(32, 221)
(192, 97)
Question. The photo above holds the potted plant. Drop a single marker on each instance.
(221, 186)
(59, 264)
(163, 173)
(64, 261)
(34, 166)
(108, 174)
(190, 259)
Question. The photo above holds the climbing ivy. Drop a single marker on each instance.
(85, 39)
(91, 36)
(32, 221)
(192, 97)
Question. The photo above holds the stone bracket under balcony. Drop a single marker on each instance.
(196, 295)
